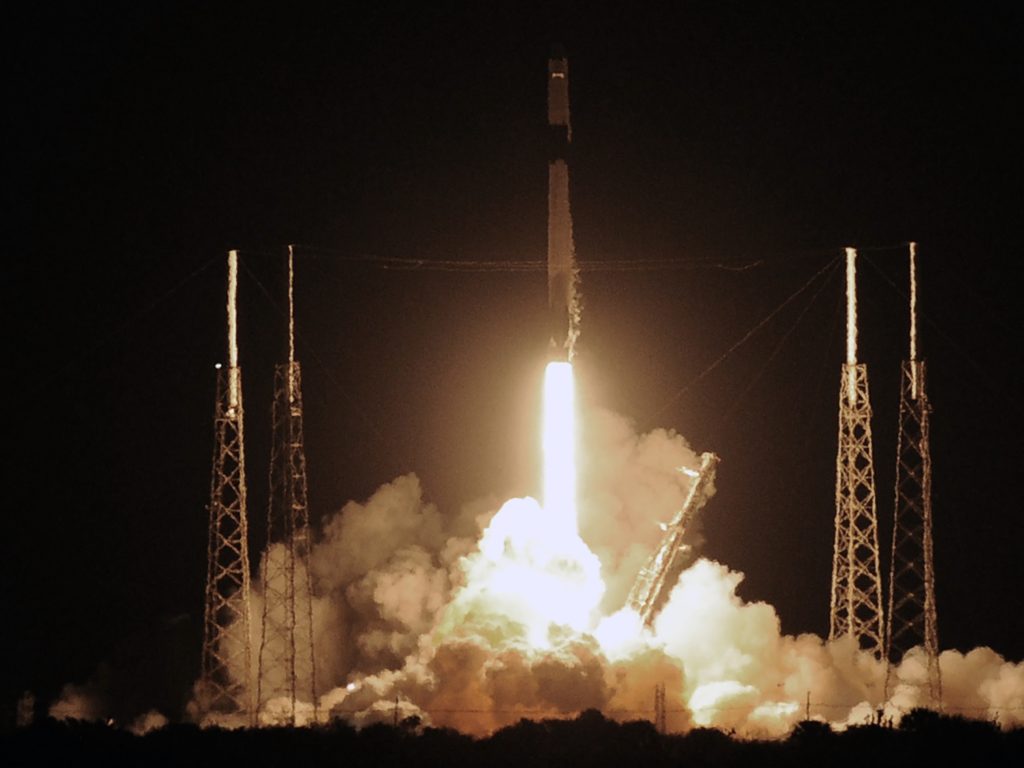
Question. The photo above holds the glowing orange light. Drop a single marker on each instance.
(559, 446)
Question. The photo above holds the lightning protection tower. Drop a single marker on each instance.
(911, 610)
(225, 680)
(856, 606)
(287, 668)
(659, 708)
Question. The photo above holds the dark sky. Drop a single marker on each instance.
(148, 139)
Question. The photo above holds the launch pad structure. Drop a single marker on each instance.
(658, 576)
(232, 687)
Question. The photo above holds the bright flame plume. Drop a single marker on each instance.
(476, 620)
(559, 446)
(532, 575)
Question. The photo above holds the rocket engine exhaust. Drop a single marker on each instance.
(562, 307)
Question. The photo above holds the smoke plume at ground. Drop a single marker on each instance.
(442, 616)
(412, 617)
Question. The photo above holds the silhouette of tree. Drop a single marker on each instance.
(591, 739)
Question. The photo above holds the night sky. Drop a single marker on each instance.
(148, 139)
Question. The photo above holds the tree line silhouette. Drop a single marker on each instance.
(922, 738)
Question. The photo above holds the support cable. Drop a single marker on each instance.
(745, 338)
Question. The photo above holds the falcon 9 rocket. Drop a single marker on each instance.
(562, 305)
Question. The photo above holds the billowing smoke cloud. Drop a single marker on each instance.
(78, 702)
(382, 573)
(478, 618)
(147, 721)
(629, 483)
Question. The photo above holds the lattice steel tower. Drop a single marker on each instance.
(911, 611)
(856, 606)
(287, 666)
(225, 681)
(660, 719)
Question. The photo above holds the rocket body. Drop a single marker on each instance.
(561, 258)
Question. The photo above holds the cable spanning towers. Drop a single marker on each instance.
(287, 667)
(856, 606)
(225, 685)
(911, 611)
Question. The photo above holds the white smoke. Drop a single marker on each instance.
(78, 702)
(415, 615)
(629, 483)
(148, 721)
(382, 572)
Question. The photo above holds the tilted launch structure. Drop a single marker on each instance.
(657, 578)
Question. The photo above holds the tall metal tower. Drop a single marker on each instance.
(912, 619)
(660, 719)
(287, 666)
(856, 606)
(225, 679)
